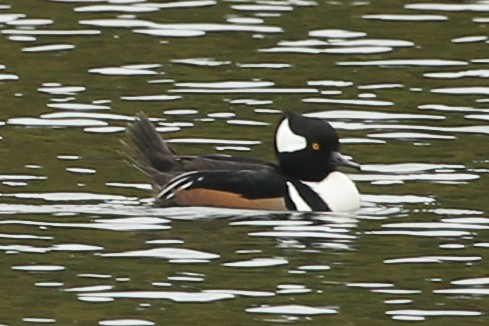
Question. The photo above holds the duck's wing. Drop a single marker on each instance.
(250, 189)
(151, 154)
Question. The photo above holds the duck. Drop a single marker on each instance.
(305, 177)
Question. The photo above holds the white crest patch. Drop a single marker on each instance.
(286, 140)
(337, 191)
(295, 197)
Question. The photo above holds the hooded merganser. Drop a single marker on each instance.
(305, 178)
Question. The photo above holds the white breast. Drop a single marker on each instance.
(338, 192)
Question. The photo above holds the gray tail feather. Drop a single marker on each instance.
(148, 151)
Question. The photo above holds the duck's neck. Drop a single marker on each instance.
(305, 171)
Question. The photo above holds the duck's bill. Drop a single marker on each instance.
(339, 160)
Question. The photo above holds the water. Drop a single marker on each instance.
(403, 83)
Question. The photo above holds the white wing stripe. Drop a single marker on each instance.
(185, 179)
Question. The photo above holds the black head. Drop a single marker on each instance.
(308, 148)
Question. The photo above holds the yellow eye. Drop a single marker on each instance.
(315, 146)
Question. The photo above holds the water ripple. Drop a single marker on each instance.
(299, 310)
(203, 62)
(38, 122)
(406, 62)
(257, 262)
(180, 4)
(348, 102)
(116, 8)
(74, 106)
(126, 322)
(39, 268)
(96, 226)
(127, 70)
(166, 253)
(406, 17)
(162, 295)
(136, 23)
(427, 313)
(243, 293)
(58, 89)
(365, 115)
(336, 33)
(49, 48)
(85, 32)
(433, 259)
(448, 7)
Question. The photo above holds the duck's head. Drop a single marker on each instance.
(308, 148)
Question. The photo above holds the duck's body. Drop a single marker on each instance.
(305, 179)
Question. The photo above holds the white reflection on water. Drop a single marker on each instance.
(370, 285)
(410, 136)
(137, 23)
(39, 320)
(169, 32)
(39, 122)
(257, 263)
(116, 8)
(128, 70)
(472, 281)
(406, 17)
(302, 234)
(436, 226)
(243, 293)
(433, 259)
(449, 6)
(464, 291)
(67, 196)
(227, 84)
(348, 102)
(299, 310)
(39, 268)
(426, 313)
(162, 295)
(59, 89)
(5, 18)
(203, 62)
(30, 22)
(179, 4)
(96, 226)
(162, 97)
(406, 62)
(126, 322)
(58, 32)
(265, 8)
(213, 141)
(76, 106)
(270, 90)
(91, 288)
(473, 73)
(401, 168)
(7, 77)
(373, 42)
(49, 48)
(474, 129)
(366, 115)
(471, 90)
(165, 253)
(336, 33)
(98, 116)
